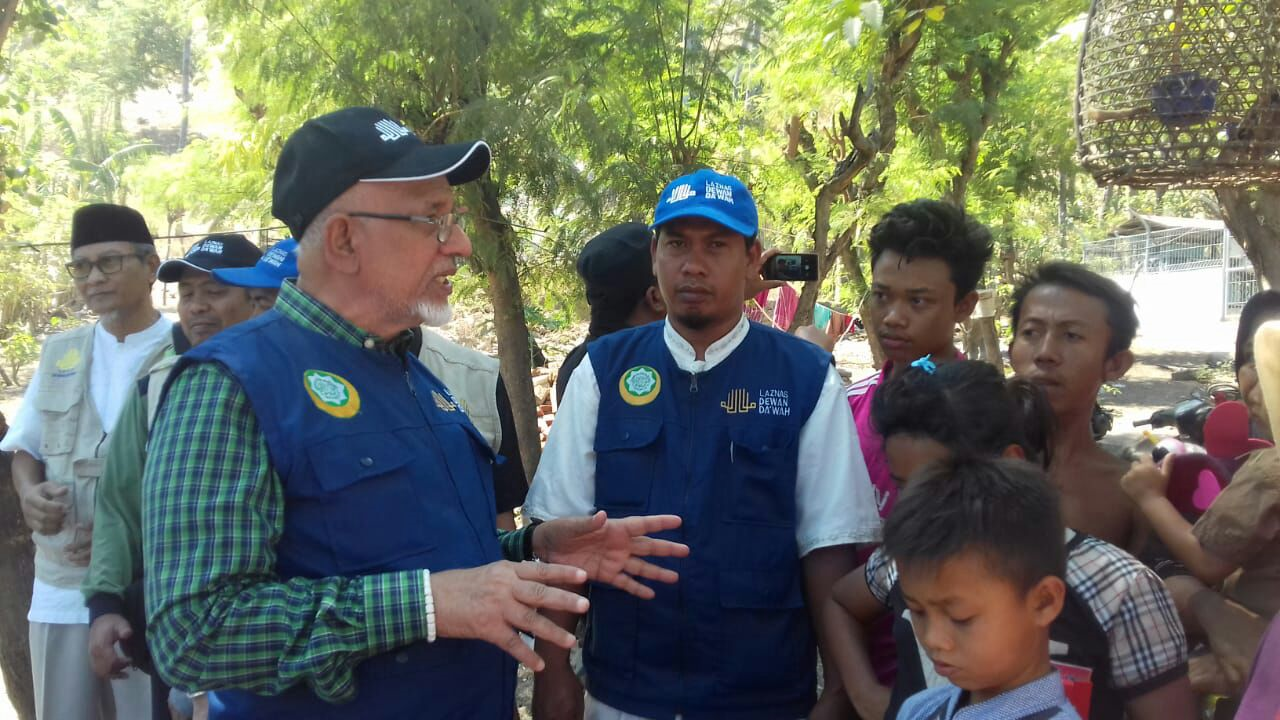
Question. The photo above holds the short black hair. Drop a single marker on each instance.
(968, 407)
(617, 271)
(935, 229)
(1005, 510)
(1122, 319)
(1263, 306)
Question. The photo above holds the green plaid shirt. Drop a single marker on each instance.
(213, 511)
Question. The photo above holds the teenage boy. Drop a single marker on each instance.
(927, 258)
(1072, 332)
(737, 427)
(978, 544)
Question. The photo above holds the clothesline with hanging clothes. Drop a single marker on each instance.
(784, 312)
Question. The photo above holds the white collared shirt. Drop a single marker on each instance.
(834, 500)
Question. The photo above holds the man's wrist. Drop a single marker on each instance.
(535, 550)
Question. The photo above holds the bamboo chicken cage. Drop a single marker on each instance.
(1180, 93)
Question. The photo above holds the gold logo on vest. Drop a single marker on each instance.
(67, 364)
(331, 393)
(443, 403)
(640, 385)
(739, 401)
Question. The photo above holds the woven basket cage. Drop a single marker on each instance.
(1180, 93)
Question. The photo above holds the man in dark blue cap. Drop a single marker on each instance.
(740, 430)
(113, 587)
(318, 510)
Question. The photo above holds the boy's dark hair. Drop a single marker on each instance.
(1121, 317)
(968, 407)
(1263, 306)
(1006, 510)
(935, 229)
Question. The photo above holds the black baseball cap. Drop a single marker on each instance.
(331, 153)
(230, 250)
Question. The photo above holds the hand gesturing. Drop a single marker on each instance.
(610, 551)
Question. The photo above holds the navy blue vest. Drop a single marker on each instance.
(403, 483)
(732, 639)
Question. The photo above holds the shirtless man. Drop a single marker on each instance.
(1072, 331)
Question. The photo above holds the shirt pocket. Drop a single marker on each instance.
(763, 635)
(360, 504)
(627, 453)
(761, 476)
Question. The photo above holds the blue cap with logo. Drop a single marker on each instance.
(708, 194)
(278, 264)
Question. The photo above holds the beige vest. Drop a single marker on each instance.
(73, 445)
(471, 376)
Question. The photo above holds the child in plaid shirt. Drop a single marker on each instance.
(977, 543)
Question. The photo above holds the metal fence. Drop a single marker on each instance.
(1241, 281)
(1178, 249)
(1163, 250)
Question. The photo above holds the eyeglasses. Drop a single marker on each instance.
(444, 224)
(107, 265)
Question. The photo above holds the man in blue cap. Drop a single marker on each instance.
(263, 280)
(739, 429)
(318, 511)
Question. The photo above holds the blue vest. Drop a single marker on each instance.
(732, 639)
(403, 483)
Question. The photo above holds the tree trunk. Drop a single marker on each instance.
(9, 8)
(1253, 216)
(873, 340)
(853, 265)
(498, 257)
(17, 572)
(821, 232)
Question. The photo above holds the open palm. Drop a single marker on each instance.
(610, 550)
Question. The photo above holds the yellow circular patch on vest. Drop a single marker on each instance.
(640, 385)
(331, 393)
(69, 361)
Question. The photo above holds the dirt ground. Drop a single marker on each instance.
(1146, 388)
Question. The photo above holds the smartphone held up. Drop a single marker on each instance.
(791, 267)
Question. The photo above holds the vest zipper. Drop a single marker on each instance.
(693, 382)
(408, 381)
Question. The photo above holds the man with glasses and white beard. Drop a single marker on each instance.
(318, 511)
